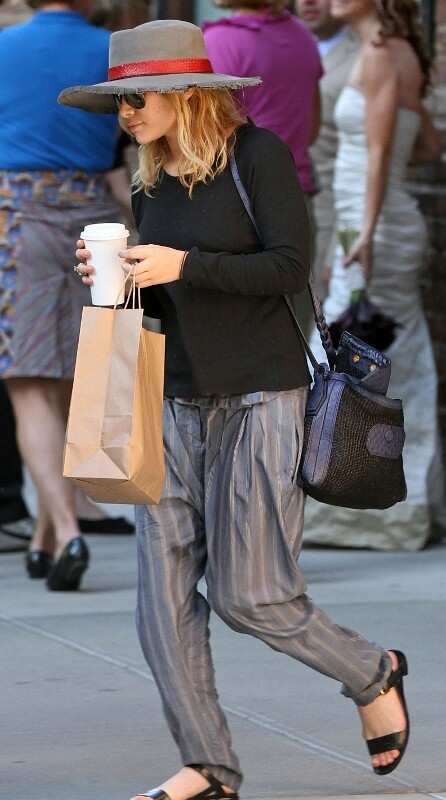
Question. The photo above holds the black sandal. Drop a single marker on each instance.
(215, 790)
(393, 741)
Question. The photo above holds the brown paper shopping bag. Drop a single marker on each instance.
(114, 443)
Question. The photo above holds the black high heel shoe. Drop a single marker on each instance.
(38, 563)
(67, 571)
(215, 790)
(393, 741)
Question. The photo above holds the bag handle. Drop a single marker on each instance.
(132, 275)
(319, 318)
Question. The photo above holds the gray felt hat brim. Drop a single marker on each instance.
(149, 54)
(99, 98)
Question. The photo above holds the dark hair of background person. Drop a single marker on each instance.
(277, 5)
(35, 4)
(116, 15)
(402, 19)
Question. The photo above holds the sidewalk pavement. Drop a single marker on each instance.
(81, 718)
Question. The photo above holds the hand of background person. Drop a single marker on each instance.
(361, 251)
(155, 264)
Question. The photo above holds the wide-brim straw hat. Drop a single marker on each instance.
(162, 56)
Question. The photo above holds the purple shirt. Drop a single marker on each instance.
(281, 49)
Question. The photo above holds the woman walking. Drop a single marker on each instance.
(235, 390)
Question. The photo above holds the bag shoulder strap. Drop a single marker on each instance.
(317, 307)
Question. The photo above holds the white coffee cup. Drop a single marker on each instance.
(104, 240)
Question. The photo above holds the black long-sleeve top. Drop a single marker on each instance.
(228, 328)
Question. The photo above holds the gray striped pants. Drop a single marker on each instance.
(231, 511)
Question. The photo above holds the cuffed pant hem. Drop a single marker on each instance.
(371, 692)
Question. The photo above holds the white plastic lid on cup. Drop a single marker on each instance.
(104, 230)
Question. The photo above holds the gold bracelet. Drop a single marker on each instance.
(185, 254)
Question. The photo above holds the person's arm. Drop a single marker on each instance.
(281, 263)
(381, 90)
(427, 147)
(119, 182)
(277, 264)
(327, 265)
(316, 116)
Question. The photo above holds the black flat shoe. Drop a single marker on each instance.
(215, 790)
(66, 573)
(393, 741)
(38, 563)
(118, 526)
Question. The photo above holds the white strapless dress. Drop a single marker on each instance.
(399, 253)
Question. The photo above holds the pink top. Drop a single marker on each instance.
(281, 49)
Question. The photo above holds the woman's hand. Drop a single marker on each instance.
(83, 268)
(361, 251)
(150, 263)
(155, 264)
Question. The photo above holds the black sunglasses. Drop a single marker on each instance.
(133, 99)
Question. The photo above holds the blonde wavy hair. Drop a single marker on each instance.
(204, 120)
(402, 18)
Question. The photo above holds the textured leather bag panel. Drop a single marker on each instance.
(353, 441)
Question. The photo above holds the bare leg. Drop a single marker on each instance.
(86, 508)
(83, 505)
(40, 410)
(43, 535)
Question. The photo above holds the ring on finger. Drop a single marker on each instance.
(78, 270)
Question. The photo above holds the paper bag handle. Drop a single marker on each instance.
(132, 275)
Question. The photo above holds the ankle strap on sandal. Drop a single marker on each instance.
(215, 791)
(397, 674)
